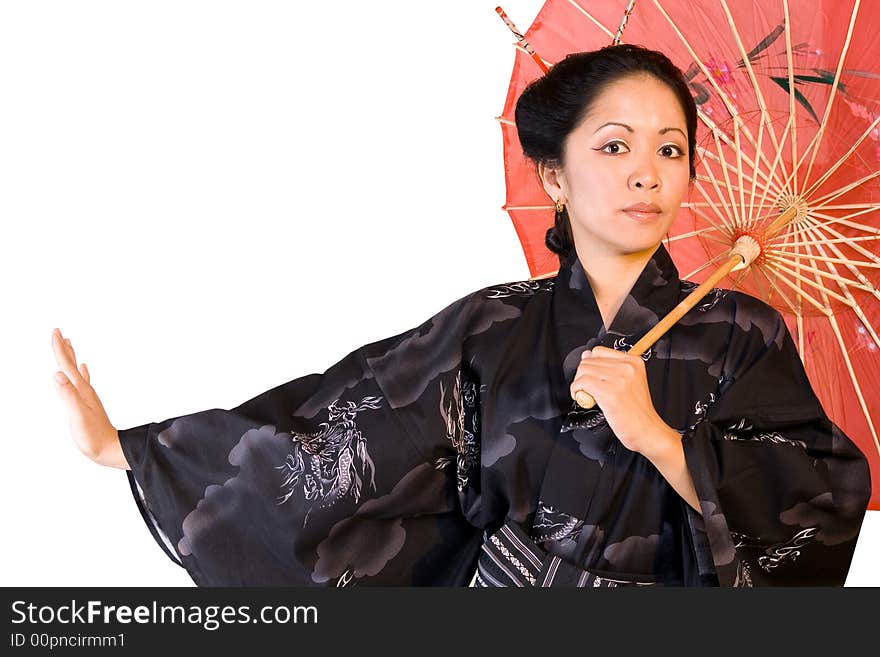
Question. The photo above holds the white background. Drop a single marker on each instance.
(213, 198)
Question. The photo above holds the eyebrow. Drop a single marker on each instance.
(662, 131)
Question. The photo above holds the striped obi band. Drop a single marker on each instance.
(509, 557)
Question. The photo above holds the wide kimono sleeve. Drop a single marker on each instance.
(782, 490)
(359, 475)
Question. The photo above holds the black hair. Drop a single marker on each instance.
(552, 106)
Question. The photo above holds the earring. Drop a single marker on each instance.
(560, 206)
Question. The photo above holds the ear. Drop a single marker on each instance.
(554, 183)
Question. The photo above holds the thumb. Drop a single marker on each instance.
(608, 352)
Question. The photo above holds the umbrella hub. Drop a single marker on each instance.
(798, 203)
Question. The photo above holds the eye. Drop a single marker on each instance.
(675, 148)
(613, 143)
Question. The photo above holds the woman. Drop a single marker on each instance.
(456, 445)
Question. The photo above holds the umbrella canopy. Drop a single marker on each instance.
(788, 98)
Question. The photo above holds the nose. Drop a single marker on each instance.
(645, 177)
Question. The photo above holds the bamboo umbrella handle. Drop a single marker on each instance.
(741, 255)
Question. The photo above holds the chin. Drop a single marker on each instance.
(636, 249)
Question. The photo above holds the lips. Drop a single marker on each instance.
(643, 212)
(643, 208)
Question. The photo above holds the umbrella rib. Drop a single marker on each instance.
(796, 285)
(852, 375)
(791, 106)
(837, 241)
(713, 127)
(798, 231)
(817, 138)
(840, 261)
(761, 291)
(719, 184)
(698, 204)
(591, 18)
(724, 219)
(825, 308)
(729, 166)
(800, 306)
(707, 153)
(720, 241)
(851, 265)
(748, 64)
(706, 264)
(801, 294)
(777, 288)
(741, 276)
(855, 382)
(736, 219)
(840, 191)
(787, 184)
(693, 233)
(738, 122)
(800, 322)
(727, 228)
(850, 241)
(548, 64)
(764, 190)
(833, 276)
(526, 207)
(777, 263)
(850, 206)
(843, 220)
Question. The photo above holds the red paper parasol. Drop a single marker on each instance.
(788, 96)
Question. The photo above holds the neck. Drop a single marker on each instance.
(612, 275)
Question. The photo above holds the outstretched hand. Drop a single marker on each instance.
(89, 425)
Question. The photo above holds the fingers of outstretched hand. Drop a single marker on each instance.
(65, 357)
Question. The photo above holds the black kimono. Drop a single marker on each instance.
(455, 447)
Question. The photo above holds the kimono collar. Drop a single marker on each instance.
(655, 292)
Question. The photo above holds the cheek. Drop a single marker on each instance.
(593, 182)
(680, 180)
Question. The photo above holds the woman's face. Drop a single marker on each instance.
(631, 148)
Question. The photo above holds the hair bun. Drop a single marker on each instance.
(555, 242)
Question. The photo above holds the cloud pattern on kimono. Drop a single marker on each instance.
(718, 533)
(405, 370)
(635, 553)
(244, 495)
(366, 541)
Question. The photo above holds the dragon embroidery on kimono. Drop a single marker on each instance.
(462, 426)
(771, 437)
(607, 582)
(553, 525)
(773, 555)
(521, 288)
(332, 462)
(579, 417)
(345, 579)
(712, 297)
(790, 549)
(700, 408)
(621, 344)
(743, 574)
